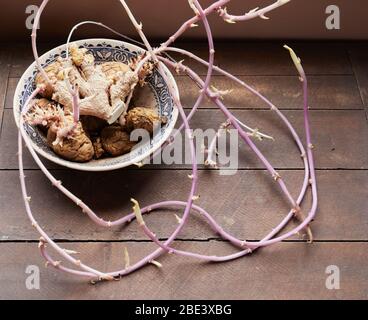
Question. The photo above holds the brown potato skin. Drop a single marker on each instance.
(142, 118)
(116, 141)
(78, 149)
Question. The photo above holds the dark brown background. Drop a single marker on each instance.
(299, 19)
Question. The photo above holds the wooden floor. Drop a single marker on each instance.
(247, 204)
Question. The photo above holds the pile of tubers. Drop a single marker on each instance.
(100, 89)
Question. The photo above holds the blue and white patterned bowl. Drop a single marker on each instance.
(103, 50)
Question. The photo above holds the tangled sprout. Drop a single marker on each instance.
(159, 57)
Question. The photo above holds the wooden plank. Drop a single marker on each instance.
(333, 133)
(326, 92)
(12, 86)
(9, 141)
(22, 56)
(270, 58)
(4, 73)
(248, 205)
(243, 58)
(358, 55)
(284, 271)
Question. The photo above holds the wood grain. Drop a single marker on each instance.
(359, 56)
(260, 58)
(248, 204)
(326, 92)
(4, 73)
(251, 58)
(284, 271)
(22, 56)
(332, 135)
(10, 92)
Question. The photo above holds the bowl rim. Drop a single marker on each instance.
(80, 166)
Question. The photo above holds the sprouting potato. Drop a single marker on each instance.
(76, 147)
(142, 118)
(116, 141)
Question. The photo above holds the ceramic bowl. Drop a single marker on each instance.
(103, 50)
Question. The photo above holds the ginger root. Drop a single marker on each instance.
(145, 71)
(103, 89)
(112, 68)
(53, 72)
